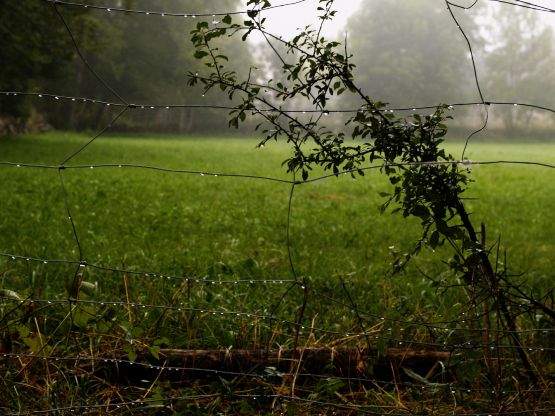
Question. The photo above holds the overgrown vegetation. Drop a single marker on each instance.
(129, 285)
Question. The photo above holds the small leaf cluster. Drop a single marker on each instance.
(427, 182)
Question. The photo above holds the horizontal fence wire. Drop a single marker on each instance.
(523, 4)
(192, 15)
(467, 325)
(90, 100)
(273, 318)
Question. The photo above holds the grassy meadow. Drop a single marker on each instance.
(203, 243)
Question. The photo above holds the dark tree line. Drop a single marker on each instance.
(144, 58)
(406, 54)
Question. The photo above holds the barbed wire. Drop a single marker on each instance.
(192, 280)
(251, 281)
(467, 345)
(139, 404)
(267, 373)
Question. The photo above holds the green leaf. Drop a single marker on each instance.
(82, 317)
(154, 351)
(434, 239)
(227, 20)
(88, 288)
(162, 341)
(431, 387)
(421, 211)
(10, 294)
(200, 54)
(35, 342)
(415, 376)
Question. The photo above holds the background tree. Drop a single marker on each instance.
(143, 58)
(146, 61)
(410, 53)
(35, 47)
(518, 62)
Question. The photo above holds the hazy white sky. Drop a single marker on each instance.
(285, 20)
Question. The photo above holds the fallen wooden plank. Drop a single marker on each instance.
(179, 364)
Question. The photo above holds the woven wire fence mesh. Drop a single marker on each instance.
(88, 332)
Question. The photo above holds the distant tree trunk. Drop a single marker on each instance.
(73, 119)
(185, 121)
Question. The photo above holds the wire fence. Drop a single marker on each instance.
(367, 363)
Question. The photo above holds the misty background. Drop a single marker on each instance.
(407, 53)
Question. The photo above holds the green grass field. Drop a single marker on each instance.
(219, 228)
(184, 224)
